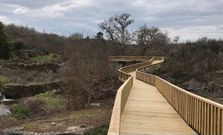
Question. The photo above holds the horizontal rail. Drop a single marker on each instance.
(130, 58)
(202, 114)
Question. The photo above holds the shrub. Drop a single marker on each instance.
(102, 130)
(20, 111)
(5, 51)
(35, 105)
(3, 80)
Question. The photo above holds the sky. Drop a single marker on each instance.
(189, 19)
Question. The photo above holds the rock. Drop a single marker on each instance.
(74, 130)
(13, 130)
(77, 130)
(16, 91)
(26, 54)
(194, 85)
(21, 131)
(96, 104)
(53, 123)
(40, 66)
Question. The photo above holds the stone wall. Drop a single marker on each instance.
(16, 91)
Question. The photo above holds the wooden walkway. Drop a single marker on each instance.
(147, 112)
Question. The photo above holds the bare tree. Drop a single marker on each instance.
(121, 24)
(116, 28)
(108, 27)
(150, 37)
(85, 68)
(176, 39)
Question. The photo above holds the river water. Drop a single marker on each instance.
(4, 110)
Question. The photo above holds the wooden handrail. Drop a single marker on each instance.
(202, 114)
(123, 93)
(120, 101)
(130, 58)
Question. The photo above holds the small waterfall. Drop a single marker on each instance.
(1, 96)
(4, 109)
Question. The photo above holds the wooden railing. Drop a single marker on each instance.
(130, 58)
(202, 114)
(123, 93)
(120, 101)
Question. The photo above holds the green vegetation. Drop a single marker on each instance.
(102, 130)
(20, 111)
(38, 105)
(50, 100)
(3, 80)
(43, 58)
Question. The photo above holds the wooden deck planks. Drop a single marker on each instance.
(148, 113)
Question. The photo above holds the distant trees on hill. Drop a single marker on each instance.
(4, 46)
(117, 30)
(76, 36)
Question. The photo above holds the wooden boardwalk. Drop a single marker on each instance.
(150, 105)
(147, 112)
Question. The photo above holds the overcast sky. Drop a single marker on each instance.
(190, 19)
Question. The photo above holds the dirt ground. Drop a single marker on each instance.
(93, 116)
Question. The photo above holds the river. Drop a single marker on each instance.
(4, 110)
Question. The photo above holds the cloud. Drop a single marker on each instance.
(5, 19)
(190, 19)
(20, 10)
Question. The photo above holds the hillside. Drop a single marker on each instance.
(197, 67)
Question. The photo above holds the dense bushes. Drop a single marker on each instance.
(5, 51)
(87, 66)
(194, 60)
(10, 49)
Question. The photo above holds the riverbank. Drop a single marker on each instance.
(60, 122)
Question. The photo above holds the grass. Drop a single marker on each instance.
(2, 62)
(20, 111)
(14, 56)
(3, 80)
(46, 101)
(43, 58)
(51, 101)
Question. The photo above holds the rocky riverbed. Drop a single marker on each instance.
(74, 130)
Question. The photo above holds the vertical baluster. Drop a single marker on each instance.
(202, 117)
(199, 116)
(221, 118)
(218, 121)
(205, 118)
(196, 118)
(211, 122)
(208, 119)
(190, 110)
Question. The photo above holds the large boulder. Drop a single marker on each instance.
(194, 85)
(42, 66)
